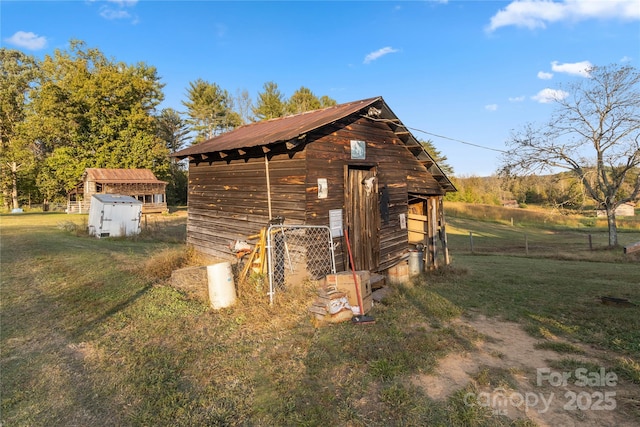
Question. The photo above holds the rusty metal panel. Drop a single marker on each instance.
(276, 130)
(121, 176)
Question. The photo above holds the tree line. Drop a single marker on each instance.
(77, 109)
(561, 191)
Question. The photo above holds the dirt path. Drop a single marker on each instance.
(548, 396)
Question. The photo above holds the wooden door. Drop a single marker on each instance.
(363, 216)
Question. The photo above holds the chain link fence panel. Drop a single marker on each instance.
(296, 253)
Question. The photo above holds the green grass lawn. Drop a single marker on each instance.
(93, 334)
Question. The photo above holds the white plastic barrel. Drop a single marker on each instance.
(222, 289)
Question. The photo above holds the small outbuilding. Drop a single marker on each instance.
(114, 215)
(140, 184)
(624, 209)
(352, 167)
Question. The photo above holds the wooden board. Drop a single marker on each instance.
(634, 247)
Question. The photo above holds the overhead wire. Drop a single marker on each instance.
(457, 140)
(435, 134)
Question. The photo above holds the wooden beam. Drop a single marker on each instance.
(443, 231)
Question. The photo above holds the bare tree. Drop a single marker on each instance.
(243, 105)
(594, 133)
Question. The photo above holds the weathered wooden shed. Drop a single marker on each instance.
(140, 184)
(356, 160)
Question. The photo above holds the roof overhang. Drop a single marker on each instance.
(291, 131)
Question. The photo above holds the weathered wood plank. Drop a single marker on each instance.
(632, 248)
(228, 198)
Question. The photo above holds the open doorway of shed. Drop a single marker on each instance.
(363, 215)
(426, 227)
(418, 221)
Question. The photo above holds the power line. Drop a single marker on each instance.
(433, 134)
(457, 140)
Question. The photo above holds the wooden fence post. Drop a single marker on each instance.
(443, 232)
(471, 240)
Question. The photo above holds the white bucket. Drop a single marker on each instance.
(222, 289)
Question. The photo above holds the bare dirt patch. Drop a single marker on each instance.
(533, 389)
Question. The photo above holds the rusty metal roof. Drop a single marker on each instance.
(285, 129)
(121, 176)
(276, 130)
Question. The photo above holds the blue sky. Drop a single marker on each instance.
(468, 71)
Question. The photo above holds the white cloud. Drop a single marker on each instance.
(544, 75)
(117, 9)
(108, 13)
(533, 14)
(575, 69)
(546, 96)
(124, 3)
(379, 53)
(516, 99)
(220, 30)
(626, 59)
(491, 107)
(27, 40)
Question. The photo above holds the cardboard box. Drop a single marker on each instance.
(344, 282)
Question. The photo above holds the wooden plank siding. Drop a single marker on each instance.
(327, 156)
(228, 197)
(228, 201)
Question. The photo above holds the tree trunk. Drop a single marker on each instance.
(14, 185)
(611, 223)
(6, 198)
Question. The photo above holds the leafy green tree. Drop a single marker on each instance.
(18, 72)
(440, 159)
(177, 184)
(90, 111)
(209, 110)
(326, 102)
(172, 129)
(594, 133)
(61, 169)
(302, 100)
(474, 189)
(270, 103)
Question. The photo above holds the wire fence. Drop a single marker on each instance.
(545, 243)
(296, 252)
